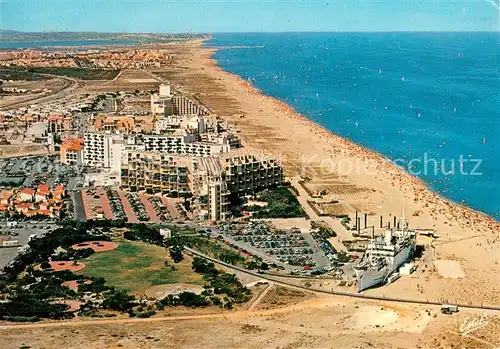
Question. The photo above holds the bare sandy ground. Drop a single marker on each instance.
(319, 322)
(268, 126)
(271, 127)
(8, 151)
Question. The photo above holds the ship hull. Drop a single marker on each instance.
(371, 278)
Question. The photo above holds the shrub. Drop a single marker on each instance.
(146, 314)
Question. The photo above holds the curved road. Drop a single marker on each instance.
(71, 84)
(341, 293)
(237, 313)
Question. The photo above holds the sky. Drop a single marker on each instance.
(162, 16)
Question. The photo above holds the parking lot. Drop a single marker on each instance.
(30, 171)
(21, 232)
(289, 248)
(111, 203)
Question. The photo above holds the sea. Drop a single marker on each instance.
(430, 102)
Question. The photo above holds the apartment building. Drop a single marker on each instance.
(161, 105)
(103, 150)
(209, 185)
(184, 106)
(156, 173)
(71, 151)
(171, 123)
(218, 200)
(249, 174)
(232, 140)
(178, 144)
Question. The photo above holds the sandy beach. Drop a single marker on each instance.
(270, 126)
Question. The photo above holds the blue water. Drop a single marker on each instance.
(401, 94)
(72, 43)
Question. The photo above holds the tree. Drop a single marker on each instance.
(118, 300)
(176, 253)
(45, 265)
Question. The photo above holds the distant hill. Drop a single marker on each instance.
(13, 35)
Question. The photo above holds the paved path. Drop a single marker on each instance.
(174, 214)
(153, 217)
(87, 210)
(333, 223)
(261, 296)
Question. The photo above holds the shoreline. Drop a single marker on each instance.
(267, 125)
(417, 182)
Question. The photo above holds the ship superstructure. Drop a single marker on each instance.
(384, 255)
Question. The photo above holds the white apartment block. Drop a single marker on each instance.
(175, 105)
(159, 104)
(73, 157)
(103, 150)
(218, 200)
(184, 106)
(174, 122)
(178, 144)
(222, 138)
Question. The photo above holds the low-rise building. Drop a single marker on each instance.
(123, 123)
(59, 123)
(166, 233)
(71, 151)
(26, 195)
(42, 193)
(42, 201)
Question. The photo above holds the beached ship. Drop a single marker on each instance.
(384, 255)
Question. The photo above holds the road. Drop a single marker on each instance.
(24, 230)
(70, 85)
(80, 122)
(157, 78)
(493, 310)
(341, 293)
(78, 207)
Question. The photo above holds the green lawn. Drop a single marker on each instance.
(281, 203)
(77, 73)
(136, 266)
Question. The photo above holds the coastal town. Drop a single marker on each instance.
(113, 154)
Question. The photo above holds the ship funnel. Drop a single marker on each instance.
(402, 221)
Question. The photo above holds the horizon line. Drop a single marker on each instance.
(5, 31)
